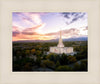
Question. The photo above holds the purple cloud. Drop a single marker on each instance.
(73, 16)
(15, 33)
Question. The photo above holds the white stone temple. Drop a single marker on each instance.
(59, 49)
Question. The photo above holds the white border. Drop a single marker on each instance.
(89, 6)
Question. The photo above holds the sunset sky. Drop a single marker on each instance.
(46, 26)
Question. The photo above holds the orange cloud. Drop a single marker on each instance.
(33, 30)
(16, 31)
(32, 34)
(71, 32)
(32, 37)
(28, 33)
(15, 28)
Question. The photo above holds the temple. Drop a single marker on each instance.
(60, 49)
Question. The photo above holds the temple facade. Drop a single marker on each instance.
(59, 49)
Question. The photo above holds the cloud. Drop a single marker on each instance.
(21, 19)
(22, 37)
(39, 29)
(27, 21)
(64, 32)
(52, 34)
(33, 30)
(73, 32)
(15, 33)
(34, 18)
(28, 33)
(73, 16)
(87, 28)
(17, 27)
(83, 31)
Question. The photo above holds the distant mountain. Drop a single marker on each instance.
(56, 40)
(77, 39)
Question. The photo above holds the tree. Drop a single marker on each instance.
(44, 57)
(63, 59)
(16, 67)
(64, 68)
(33, 51)
(27, 52)
(83, 65)
(49, 63)
(72, 59)
(27, 67)
(38, 53)
(38, 61)
(52, 57)
(76, 67)
(57, 64)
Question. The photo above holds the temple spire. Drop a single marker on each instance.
(60, 44)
